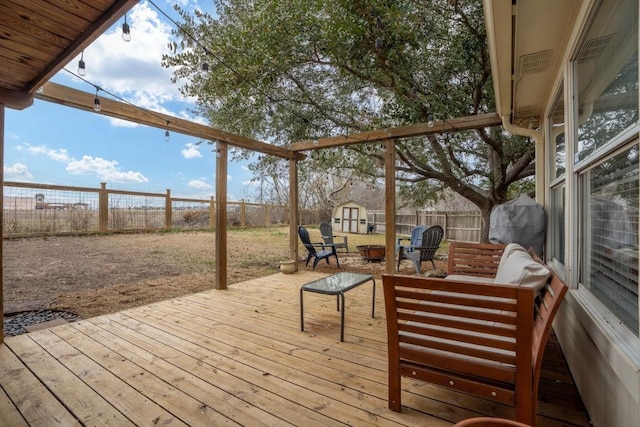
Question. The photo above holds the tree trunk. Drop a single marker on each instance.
(485, 214)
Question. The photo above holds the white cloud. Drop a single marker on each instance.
(191, 152)
(59, 155)
(107, 170)
(199, 185)
(17, 172)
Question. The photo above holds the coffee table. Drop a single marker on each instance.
(337, 284)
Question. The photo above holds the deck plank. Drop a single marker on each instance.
(36, 403)
(11, 417)
(88, 407)
(135, 406)
(238, 357)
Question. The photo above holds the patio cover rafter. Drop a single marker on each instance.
(70, 97)
(420, 129)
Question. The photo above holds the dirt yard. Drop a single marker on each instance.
(94, 275)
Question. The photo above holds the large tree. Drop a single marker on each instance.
(290, 70)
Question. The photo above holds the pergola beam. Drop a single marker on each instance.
(14, 99)
(421, 129)
(70, 97)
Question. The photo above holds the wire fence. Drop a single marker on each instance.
(41, 209)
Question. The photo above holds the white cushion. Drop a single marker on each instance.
(472, 279)
(518, 268)
(508, 250)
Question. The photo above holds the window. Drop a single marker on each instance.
(609, 194)
(606, 158)
(556, 120)
(607, 76)
(556, 223)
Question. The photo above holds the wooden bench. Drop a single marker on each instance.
(478, 338)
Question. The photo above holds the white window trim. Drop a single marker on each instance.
(611, 337)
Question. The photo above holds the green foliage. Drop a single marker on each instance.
(291, 70)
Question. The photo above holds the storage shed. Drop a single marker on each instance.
(350, 217)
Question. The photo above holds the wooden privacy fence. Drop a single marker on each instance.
(36, 209)
(460, 226)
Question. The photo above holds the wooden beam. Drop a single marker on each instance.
(70, 97)
(390, 205)
(420, 129)
(221, 216)
(14, 99)
(1, 215)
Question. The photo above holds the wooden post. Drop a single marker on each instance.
(444, 227)
(243, 213)
(390, 204)
(221, 216)
(1, 216)
(266, 215)
(293, 210)
(212, 213)
(103, 208)
(167, 211)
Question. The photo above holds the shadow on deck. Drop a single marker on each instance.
(238, 357)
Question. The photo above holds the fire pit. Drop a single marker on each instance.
(371, 253)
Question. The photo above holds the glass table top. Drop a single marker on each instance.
(337, 283)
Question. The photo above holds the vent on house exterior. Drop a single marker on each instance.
(535, 62)
(527, 111)
(593, 48)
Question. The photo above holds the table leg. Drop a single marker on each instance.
(373, 302)
(338, 302)
(342, 318)
(301, 311)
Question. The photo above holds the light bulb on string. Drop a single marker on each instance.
(96, 102)
(166, 132)
(430, 120)
(205, 67)
(82, 69)
(315, 142)
(126, 31)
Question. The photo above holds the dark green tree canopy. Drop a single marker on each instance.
(291, 70)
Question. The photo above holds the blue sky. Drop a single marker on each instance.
(52, 144)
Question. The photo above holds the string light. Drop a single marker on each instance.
(96, 102)
(217, 151)
(82, 69)
(126, 31)
(166, 132)
(430, 120)
(205, 67)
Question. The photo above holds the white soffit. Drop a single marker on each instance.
(542, 31)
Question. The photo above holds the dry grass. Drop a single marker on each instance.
(93, 275)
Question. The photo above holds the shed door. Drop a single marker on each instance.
(350, 220)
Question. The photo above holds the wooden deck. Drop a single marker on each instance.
(238, 357)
